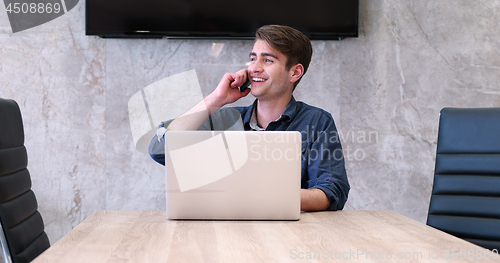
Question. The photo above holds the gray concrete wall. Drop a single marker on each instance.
(385, 90)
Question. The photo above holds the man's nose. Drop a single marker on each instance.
(255, 66)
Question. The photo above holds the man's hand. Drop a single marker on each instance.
(227, 91)
(313, 200)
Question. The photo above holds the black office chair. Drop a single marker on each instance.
(21, 223)
(465, 200)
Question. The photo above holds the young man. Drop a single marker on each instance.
(279, 59)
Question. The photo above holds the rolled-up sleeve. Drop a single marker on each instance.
(156, 147)
(224, 119)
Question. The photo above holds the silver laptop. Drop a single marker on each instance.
(233, 175)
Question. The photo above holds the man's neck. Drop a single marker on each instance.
(269, 111)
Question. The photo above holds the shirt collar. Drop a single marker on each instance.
(288, 114)
(254, 125)
(290, 110)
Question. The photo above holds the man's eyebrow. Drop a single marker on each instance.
(264, 55)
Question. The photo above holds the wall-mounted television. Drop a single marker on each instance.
(227, 19)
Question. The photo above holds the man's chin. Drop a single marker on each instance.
(255, 92)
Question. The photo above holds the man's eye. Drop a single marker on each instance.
(252, 59)
(268, 60)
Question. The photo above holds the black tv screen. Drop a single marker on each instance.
(318, 19)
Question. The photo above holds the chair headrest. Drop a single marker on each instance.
(473, 130)
(11, 124)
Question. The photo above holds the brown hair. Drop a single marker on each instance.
(289, 41)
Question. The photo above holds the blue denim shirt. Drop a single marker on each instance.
(322, 156)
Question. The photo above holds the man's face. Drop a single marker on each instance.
(268, 73)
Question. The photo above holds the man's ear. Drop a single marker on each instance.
(296, 72)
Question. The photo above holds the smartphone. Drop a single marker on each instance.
(246, 84)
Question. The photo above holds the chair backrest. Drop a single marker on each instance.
(465, 200)
(21, 222)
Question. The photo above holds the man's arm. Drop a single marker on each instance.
(313, 199)
(226, 92)
(326, 167)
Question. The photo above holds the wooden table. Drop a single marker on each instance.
(344, 236)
